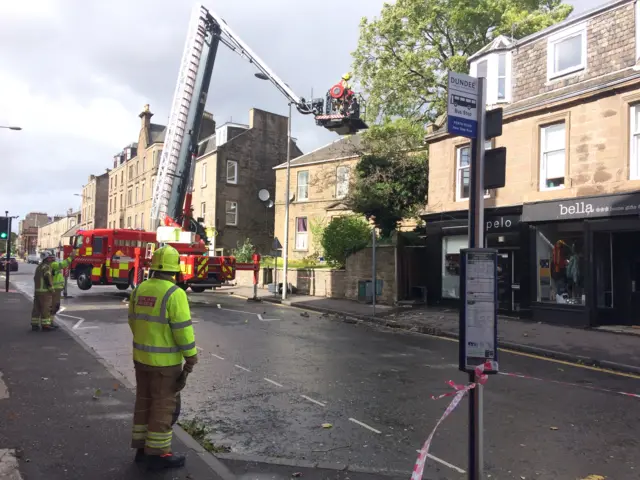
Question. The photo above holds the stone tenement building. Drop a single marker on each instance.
(28, 232)
(567, 223)
(233, 166)
(134, 171)
(58, 231)
(95, 202)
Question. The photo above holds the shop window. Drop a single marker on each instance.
(552, 156)
(451, 247)
(560, 263)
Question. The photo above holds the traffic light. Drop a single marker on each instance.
(4, 228)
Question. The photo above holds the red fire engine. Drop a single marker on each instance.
(108, 257)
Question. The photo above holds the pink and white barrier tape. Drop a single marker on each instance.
(460, 391)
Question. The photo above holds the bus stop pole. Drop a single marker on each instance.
(476, 240)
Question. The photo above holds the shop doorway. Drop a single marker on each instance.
(508, 281)
(618, 285)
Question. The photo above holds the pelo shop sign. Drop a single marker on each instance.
(585, 207)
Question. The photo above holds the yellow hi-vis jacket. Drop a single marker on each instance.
(42, 279)
(57, 270)
(160, 321)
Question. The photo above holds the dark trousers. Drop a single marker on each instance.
(154, 408)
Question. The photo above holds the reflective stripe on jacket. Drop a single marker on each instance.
(160, 320)
(58, 273)
(42, 278)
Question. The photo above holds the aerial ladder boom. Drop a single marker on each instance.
(172, 190)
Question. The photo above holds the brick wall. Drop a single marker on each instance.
(610, 48)
(597, 155)
(359, 268)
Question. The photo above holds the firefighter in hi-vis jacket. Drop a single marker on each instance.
(43, 296)
(57, 272)
(163, 337)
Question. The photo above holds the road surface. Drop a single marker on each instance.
(270, 377)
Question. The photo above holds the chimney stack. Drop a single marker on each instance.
(146, 115)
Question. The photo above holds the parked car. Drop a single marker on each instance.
(34, 258)
(13, 264)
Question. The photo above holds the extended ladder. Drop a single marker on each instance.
(179, 119)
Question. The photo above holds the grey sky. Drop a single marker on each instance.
(75, 74)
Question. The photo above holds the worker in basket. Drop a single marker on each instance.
(344, 102)
(163, 338)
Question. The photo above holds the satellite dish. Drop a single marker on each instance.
(270, 204)
(264, 195)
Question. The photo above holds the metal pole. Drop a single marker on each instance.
(285, 247)
(374, 288)
(476, 240)
(8, 263)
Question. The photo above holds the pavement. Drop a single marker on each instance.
(616, 348)
(292, 391)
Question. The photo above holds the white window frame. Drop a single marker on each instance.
(458, 186)
(634, 138)
(301, 235)
(142, 186)
(227, 204)
(505, 76)
(544, 152)
(344, 182)
(203, 174)
(142, 221)
(554, 40)
(305, 187)
(234, 179)
(203, 209)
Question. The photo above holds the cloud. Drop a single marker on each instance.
(76, 73)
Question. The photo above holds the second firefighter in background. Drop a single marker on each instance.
(163, 337)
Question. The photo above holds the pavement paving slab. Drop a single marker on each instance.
(66, 416)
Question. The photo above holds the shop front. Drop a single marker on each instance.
(447, 234)
(586, 258)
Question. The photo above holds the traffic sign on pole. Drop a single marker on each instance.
(462, 105)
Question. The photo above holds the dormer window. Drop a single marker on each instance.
(567, 52)
(495, 68)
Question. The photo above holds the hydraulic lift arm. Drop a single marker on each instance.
(171, 192)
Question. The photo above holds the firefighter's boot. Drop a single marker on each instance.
(140, 455)
(162, 462)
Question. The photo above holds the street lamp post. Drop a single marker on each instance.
(285, 245)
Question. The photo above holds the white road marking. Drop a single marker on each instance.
(364, 425)
(273, 382)
(262, 319)
(70, 316)
(237, 311)
(217, 356)
(199, 349)
(314, 401)
(4, 391)
(242, 368)
(9, 468)
(78, 323)
(62, 309)
(445, 463)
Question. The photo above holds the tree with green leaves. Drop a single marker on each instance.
(403, 56)
(344, 236)
(244, 251)
(391, 177)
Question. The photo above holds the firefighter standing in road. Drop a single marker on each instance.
(43, 296)
(57, 271)
(163, 336)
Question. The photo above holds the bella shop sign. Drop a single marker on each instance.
(580, 208)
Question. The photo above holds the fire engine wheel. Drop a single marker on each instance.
(122, 286)
(195, 289)
(84, 280)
